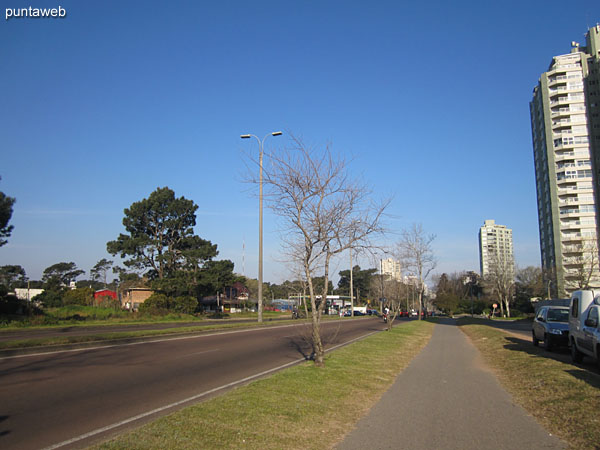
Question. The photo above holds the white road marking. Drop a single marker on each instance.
(189, 399)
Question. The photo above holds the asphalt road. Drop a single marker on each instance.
(67, 331)
(50, 399)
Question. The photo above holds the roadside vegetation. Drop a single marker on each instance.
(106, 337)
(305, 406)
(563, 397)
(81, 316)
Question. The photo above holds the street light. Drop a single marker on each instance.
(260, 216)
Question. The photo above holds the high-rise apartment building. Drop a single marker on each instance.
(495, 249)
(565, 128)
(391, 269)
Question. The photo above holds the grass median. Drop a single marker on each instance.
(301, 407)
(563, 397)
(103, 337)
(107, 337)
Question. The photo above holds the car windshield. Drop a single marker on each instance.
(558, 315)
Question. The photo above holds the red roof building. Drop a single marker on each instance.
(105, 293)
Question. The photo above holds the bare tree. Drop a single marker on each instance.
(323, 212)
(416, 253)
(500, 281)
(393, 291)
(581, 270)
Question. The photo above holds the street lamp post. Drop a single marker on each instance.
(260, 216)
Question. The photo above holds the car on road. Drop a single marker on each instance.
(551, 326)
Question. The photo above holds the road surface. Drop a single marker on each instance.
(50, 399)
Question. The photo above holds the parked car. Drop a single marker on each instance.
(372, 312)
(584, 325)
(551, 326)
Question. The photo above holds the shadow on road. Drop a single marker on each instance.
(3, 432)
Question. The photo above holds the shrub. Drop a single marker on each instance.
(156, 304)
(49, 298)
(185, 304)
(81, 296)
(106, 301)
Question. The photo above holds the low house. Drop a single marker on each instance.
(233, 299)
(105, 293)
(26, 293)
(132, 298)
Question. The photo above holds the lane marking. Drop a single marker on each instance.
(199, 353)
(193, 397)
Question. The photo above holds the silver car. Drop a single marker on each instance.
(551, 326)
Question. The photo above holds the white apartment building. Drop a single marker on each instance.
(562, 132)
(391, 269)
(495, 248)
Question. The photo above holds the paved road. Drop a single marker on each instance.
(50, 398)
(67, 331)
(448, 399)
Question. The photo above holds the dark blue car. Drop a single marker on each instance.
(551, 326)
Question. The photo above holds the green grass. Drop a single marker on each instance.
(563, 397)
(109, 337)
(81, 316)
(125, 335)
(303, 407)
(86, 316)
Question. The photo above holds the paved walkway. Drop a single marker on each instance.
(447, 399)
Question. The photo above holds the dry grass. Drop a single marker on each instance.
(302, 407)
(563, 397)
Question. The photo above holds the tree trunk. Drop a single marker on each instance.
(507, 306)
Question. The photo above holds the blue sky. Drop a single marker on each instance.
(430, 99)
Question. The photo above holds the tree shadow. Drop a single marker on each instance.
(300, 345)
(583, 372)
(3, 432)
(589, 377)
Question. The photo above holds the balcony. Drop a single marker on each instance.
(568, 201)
(564, 155)
(570, 225)
(571, 248)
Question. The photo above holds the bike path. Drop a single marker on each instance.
(447, 398)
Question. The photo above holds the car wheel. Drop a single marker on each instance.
(547, 342)
(576, 355)
(534, 339)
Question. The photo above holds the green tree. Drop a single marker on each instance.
(362, 279)
(161, 236)
(81, 296)
(98, 272)
(12, 276)
(6, 210)
(61, 274)
(156, 304)
(50, 298)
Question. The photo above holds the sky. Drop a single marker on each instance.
(430, 100)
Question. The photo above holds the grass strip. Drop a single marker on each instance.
(564, 398)
(124, 335)
(99, 337)
(303, 407)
